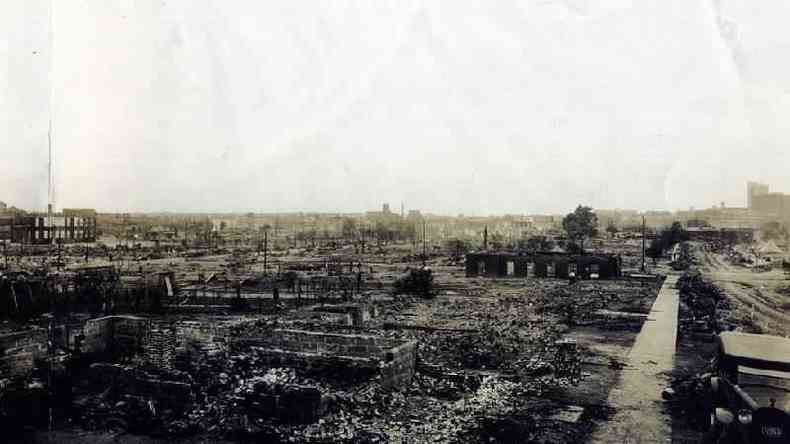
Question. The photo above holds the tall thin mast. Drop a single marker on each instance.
(50, 185)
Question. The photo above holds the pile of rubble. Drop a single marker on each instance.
(704, 302)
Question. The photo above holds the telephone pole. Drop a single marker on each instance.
(643, 244)
(265, 250)
(423, 240)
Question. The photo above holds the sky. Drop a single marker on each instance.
(473, 107)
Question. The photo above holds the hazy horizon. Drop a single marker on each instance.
(513, 107)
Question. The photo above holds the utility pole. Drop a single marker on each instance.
(643, 244)
(265, 250)
(60, 251)
(423, 240)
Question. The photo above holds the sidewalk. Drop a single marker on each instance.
(639, 415)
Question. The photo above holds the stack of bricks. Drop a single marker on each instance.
(159, 348)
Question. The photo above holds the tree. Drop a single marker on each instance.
(581, 224)
(572, 247)
(666, 239)
(673, 235)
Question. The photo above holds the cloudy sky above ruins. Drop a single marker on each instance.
(453, 107)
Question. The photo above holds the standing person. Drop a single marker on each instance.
(276, 294)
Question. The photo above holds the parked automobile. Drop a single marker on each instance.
(751, 389)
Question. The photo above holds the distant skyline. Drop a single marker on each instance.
(519, 107)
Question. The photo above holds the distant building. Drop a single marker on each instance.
(754, 189)
(72, 225)
(724, 235)
(385, 216)
(775, 203)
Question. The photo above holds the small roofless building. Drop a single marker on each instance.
(542, 265)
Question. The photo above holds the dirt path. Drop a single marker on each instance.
(639, 416)
(754, 293)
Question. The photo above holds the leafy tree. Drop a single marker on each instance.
(572, 247)
(666, 239)
(675, 234)
(581, 224)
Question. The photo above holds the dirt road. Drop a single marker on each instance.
(753, 294)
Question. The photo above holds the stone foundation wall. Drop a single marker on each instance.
(343, 355)
(346, 368)
(19, 349)
(359, 313)
(400, 363)
(135, 382)
(114, 334)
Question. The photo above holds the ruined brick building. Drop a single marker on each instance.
(543, 265)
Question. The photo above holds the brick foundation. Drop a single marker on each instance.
(343, 355)
(135, 382)
(19, 349)
(359, 313)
